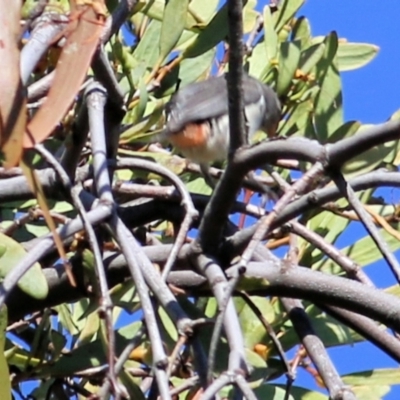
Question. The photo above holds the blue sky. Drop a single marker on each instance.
(371, 95)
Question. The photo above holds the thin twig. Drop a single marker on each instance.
(191, 212)
(299, 187)
(366, 220)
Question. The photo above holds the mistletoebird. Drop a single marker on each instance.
(197, 121)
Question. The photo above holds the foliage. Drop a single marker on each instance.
(68, 338)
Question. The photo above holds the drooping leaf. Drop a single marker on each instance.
(12, 97)
(85, 27)
(37, 189)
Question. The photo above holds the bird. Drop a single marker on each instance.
(197, 121)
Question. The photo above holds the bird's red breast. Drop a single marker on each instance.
(191, 136)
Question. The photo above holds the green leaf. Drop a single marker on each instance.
(331, 332)
(252, 328)
(270, 36)
(286, 12)
(299, 121)
(131, 386)
(357, 253)
(355, 55)
(305, 394)
(302, 32)
(310, 57)
(139, 130)
(384, 376)
(33, 282)
(199, 186)
(328, 108)
(189, 70)
(5, 382)
(259, 368)
(89, 330)
(372, 158)
(167, 324)
(327, 225)
(65, 318)
(271, 392)
(288, 63)
(146, 53)
(217, 30)
(348, 129)
(200, 11)
(173, 24)
(210, 36)
(140, 109)
(257, 61)
(370, 392)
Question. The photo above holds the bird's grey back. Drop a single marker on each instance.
(208, 99)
